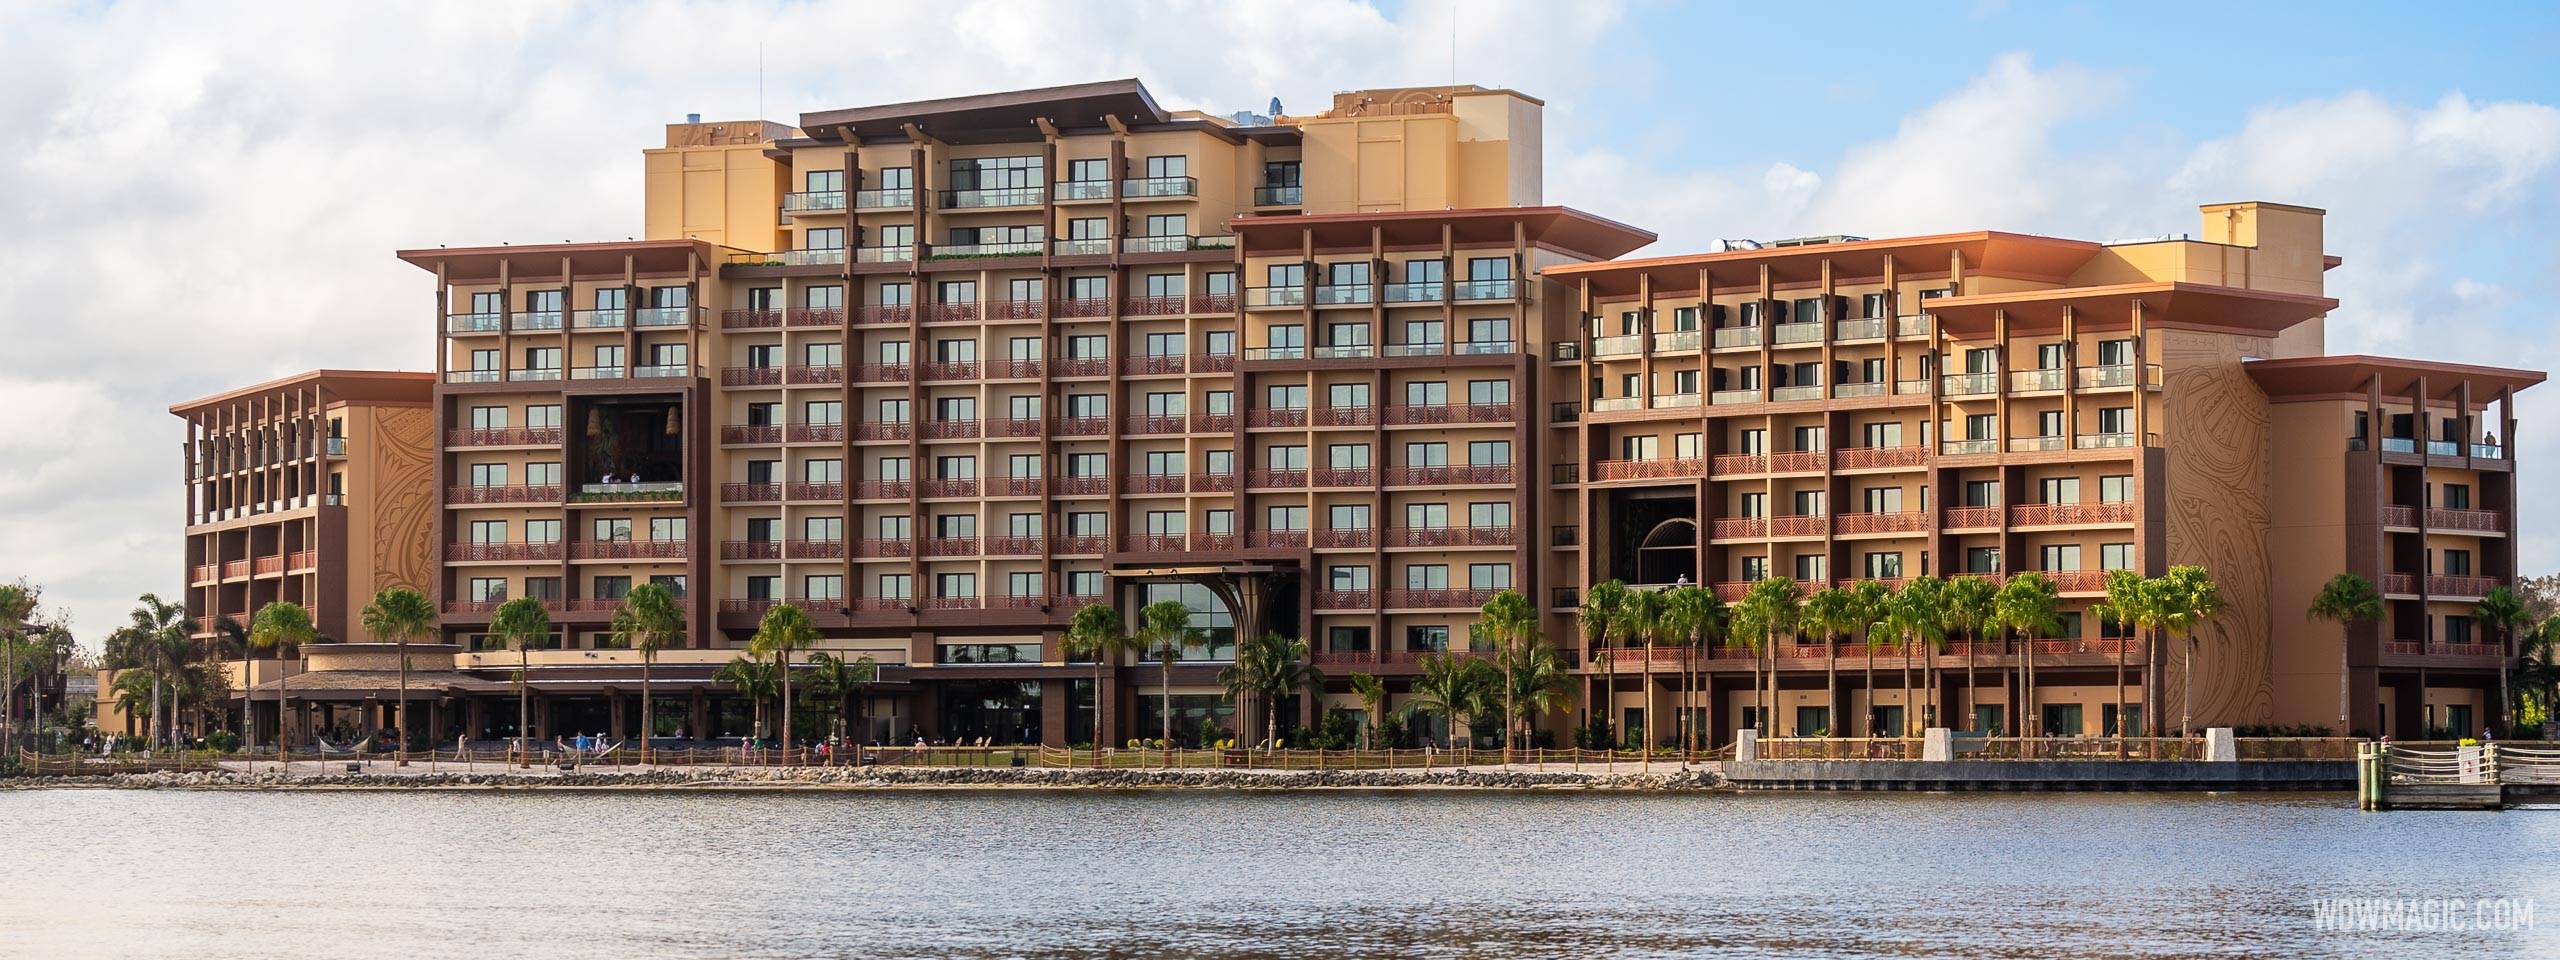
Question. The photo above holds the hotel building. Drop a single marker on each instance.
(942, 372)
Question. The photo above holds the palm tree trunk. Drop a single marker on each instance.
(400, 718)
(157, 718)
(1652, 720)
(1906, 691)
(1969, 696)
(648, 720)
(524, 702)
(1097, 706)
(1164, 709)
(2187, 688)
(782, 660)
(1831, 684)
(1870, 725)
(2123, 727)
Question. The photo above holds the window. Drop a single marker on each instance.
(666, 529)
(1346, 395)
(2115, 489)
(613, 587)
(1881, 435)
(822, 412)
(1425, 639)
(1084, 583)
(888, 586)
(1347, 578)
(615, 529)
(823, 529)
(1164, 463)
(1426, 454)
(1881, 499)
(1347, 516)
(1982, 493)
(1488, 392)
(1883, 565)
(488, 474)
(1347, 456)
(542, 531)
(1166, 523)
(2115, 556)
(955, 526)
(1426, 516)
(2058, 490)
(1285, 457)
(488, 531)
(822, 587)
(1812, 567)
(1755, 504)
(764, 587)
(488, 589)
(2059, 557)
(1489, 514)
(1488, 576)
(1752, 442)
(2457, 496)
(1808, 503)
(1982, 559)
(2115, 420)
(2457, 563)
(1292, 518)
(822, 471)
(1164, 167)
(1426, 393)
(1426, 576)
(1023, 584)
(1755, 569)
(1088, 171)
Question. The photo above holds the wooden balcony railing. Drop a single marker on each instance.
(2058, 514)
(501, 552)
(751, 433)
(504, 437)
(1656, 469)
(1450, 537)
(522, 493)
(1969, 517)
(750, 492)
(1448, 476)
(630, 549)
(1856, 523)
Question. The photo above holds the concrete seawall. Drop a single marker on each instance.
(893, 778)
(2119, 775)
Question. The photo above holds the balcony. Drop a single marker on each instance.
(1911, 326)
(1852, 524)
(2105, 441)
(1603, 348)
(1359, 416)
(1154, 483)
(2455, 586)
(825, 374)
(1154, 425)
(1911, 388)
(813, 491)
(1080, 426)
(1341, 294)
(607, 319)
(1346, 600)
(1415, 291)
(1958, 448)
(2036, 381)
(1846, 391)
(1436, 599)
(2399, 584)
(474, 322)
(1972, 518)
(1276, 539)
(1345, 477)
(535, 320)
(882, 548)
(868, 314)
(1787, 333)
(751, 550)
(951, 546)
(1017, 486)
(1175, 243)
(813, 201)
(1740, 464)
(1728, 398)
(1478, 291)
(1276, 479)
(951, 370)
(902, 253)
(538, 374)
(1275, 296)
(972, 251)
(502, 552)
(524, 493)
(750, 492)
(1025, 546)
(1146, 188)
(1276, 417)
(1491, 474)
(883, 490)
(1082, 367)
(1410, 414)
(1445, 537)
(1801, 391)
(629, 549)
(1276, 196)
(2465, 521)
(750, 319)
(817, 433)
(1346, 538)
(1738, 528)
(808, 257)
(2065, 514)
(2118, 376)
(1069, 191)
(1870, 328)
(1651, 469)
(1080, 486)
(1800, 525)
(1081, 246)
(990, 198)
(883, 430)
(1799, 461)
(1969, 384)
(751, 376)
(884, 199)
(1733, 337)
(1156, 365)
(950, 488)
(2077, 581)
(2038, 444)
(504, 437)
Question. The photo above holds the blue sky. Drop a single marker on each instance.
(272, 158)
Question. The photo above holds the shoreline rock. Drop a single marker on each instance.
(890, 778)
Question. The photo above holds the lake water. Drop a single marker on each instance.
(1027, 873)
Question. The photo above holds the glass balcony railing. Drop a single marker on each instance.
(473, 323)
(1145, 187)
(1795, 333)
(535, 320)
(1341, 293)
(662, 317)
(814, 201)
(884, 199)
(896, 254)
(1083, 190)
(993, 197)
(1478, 290)
(1970, 384)
(1416, 291)
(1275, 296)
(1737, 337)
(1871, 328)
(1620, 346)
(1082, 247)
(1015, 248)
(2032, 381)
(810, 257)
(1278, 196)
(1676, 341)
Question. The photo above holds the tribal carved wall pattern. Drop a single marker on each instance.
(2216, 427)
(404, 525)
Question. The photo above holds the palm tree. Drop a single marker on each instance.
(1373, 698)
(1641, 619)
(2503, 611)
(1539, 683)
(1510, 622)
(753, 677)
(2127, 597)
(1967, 609)
(1696, 616)
(1832, 611)
(521, 624)
(1603, 607)
(1453, 687)
(2348, 601)
(1269, 667)
(1164, 627)
(160, 635)
(2030, 606)
(838, 681)
(786, 628)
(400, 614)
(2189, 601)
(1770, 609)
(1914, 619)
(276, 626)
(648, 621)
(1869, 599)
(1096, 631)
(2538, 668)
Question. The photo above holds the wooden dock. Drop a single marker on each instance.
(2462, 775)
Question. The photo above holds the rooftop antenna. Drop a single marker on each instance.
(1453, 43)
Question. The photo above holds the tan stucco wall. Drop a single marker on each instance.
(2306, 545)
(729, 194)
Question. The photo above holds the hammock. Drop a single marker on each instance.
(329, 749)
